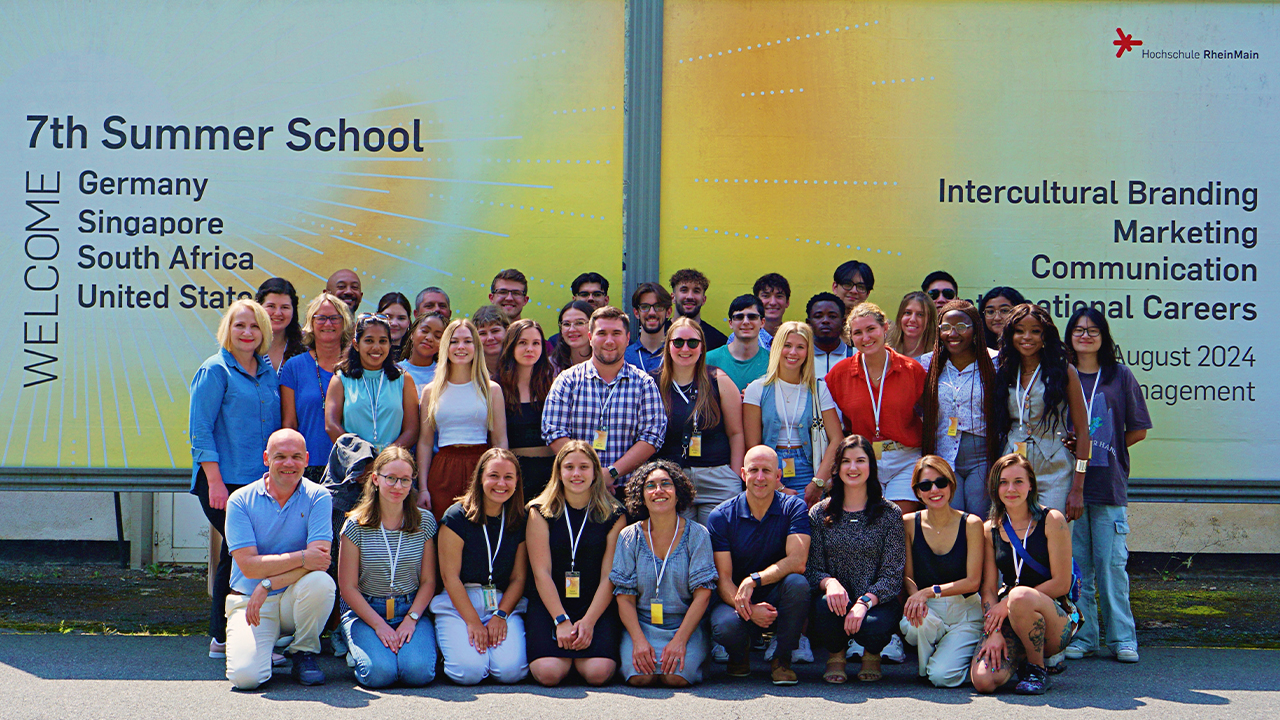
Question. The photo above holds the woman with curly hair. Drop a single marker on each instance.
(663, 576)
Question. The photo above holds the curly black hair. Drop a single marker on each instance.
(635, 488)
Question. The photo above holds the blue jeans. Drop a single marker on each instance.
(1099, 545)
(971, 472)
(790, 598)
(804, 469)
(376, 665)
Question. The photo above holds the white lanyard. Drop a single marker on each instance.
(1023, 397)
(649, 529)
(1017, 557)
(1088, 405)
(382, 378)
(604, 408)
(573, 540)
(876, 402)
(790, 422)
(492, 555)
(688, 401)
(395, 559)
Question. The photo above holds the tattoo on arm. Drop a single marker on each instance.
(1036, 636)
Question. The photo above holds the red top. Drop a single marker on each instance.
(904, 384)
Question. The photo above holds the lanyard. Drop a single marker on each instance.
(574, 539)
(395, 559)
(689, 399)
(373, 399)
(604, 408)
(320, 385)
(1017, 558)
(1025, 397)
(876, 402)
(1088, 405)
(649, 530)
(491, 554)
(790, 422)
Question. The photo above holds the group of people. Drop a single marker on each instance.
(848, 482)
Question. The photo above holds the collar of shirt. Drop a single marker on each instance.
(624, 372)
(744, 507)
(231, 361)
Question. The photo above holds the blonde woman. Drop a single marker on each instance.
(572, 623)
(778, 411)
(305, 378)
(462, 413)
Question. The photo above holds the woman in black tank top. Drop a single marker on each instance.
(525, 375)
(942, 616)
(1027, 614)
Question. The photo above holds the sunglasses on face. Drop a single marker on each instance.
(679, 343)
(925, 486)
(947, 293)
(745, 317)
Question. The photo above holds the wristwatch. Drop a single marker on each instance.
(266, 584)
(755, 578)
(502, 613)
(563, 618)
(414, 616)
(1082, 465)
(865, 600)
(613, 472)
(937, 591)
(821, 483)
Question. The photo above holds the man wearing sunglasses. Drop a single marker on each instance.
(940, 286)
(743, 360)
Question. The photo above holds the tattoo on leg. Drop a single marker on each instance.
(1036, 636)
(1061, 612)
(1066, 635)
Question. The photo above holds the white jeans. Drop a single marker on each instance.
(301, 610)
(507, 663)
(947, 638)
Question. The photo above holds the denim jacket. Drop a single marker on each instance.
(771, 423)
(232, 415)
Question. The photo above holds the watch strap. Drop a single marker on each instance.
(563, 618)
(502, 613)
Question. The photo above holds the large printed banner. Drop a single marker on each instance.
(1122, 155)
(160, 159)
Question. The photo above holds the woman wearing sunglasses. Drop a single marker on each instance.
(915, 329)
(704, 418)
(369, 395)
(387, 576)
(942, 616)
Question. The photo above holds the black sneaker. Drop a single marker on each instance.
(306, 671)
(1034, 680)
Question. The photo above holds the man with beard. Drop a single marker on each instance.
(652, 305)
(345, 284)
(689, 290)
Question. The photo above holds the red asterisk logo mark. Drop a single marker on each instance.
(1126, 43)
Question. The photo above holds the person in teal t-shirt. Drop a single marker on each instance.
(742, 359)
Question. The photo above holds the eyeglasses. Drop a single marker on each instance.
(947, 293)
(745, 317)
(573, 324)
(504, 292)
(958, 327)
(926, 485)
(394, 481)
(664, 484)
(859, 287)
(679, 343)
(998, 312)
(1092, 332)
(650, 307)
(593, 294)
(326, 319)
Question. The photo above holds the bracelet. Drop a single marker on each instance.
(1082, 465)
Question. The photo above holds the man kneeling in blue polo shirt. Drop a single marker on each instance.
(278, 531)
(761, 544)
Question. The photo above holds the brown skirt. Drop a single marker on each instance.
(450, 473)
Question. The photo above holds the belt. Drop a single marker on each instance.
(895, 445)
(789, 447)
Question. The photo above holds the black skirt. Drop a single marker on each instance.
(540, 631)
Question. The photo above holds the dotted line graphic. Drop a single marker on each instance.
(783, 91)
(902, 81)
(771, 43)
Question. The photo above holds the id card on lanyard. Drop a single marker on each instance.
(877, 400)
(602, 428)
(693, 441)
(490, 590)
(1024, 410)
(573, 578)
(655, 607)
(395, 560)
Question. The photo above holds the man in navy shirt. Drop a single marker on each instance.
(761, 544)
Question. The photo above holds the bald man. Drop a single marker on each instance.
(278, 530)
(761, 544)
(346, 285)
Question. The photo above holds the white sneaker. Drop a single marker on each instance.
(894, 652)
(351, 660)
(719, 654)
(339, 642)
(1127, 655)
(771, 650)
(217, 650)
(1077, 652)
(854, 649)
(284, 641)
(803, 653)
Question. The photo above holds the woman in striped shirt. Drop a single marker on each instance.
(387, 576)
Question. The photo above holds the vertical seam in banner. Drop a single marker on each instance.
(641, 186)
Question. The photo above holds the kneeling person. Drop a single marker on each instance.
(278, 531)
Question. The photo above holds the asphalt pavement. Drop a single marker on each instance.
(152, 678)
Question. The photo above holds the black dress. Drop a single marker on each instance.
(524, 430)
(540, 628)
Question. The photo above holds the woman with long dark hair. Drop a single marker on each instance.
(958, 398)
(575, 339)
(1038, 402)
(995, 307)
(525, 374)
(704, 418)
(368, 395)
(915, 327)
(858, 551)
(280, 300)
(1118, 418)
(396, 308)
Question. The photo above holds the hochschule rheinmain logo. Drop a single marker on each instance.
(1126, 44)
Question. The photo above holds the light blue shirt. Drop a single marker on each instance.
(373, 406)
(255, 519)
(232, 415)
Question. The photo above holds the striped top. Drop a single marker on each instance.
(375, 560)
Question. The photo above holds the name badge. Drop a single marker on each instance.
(788, 467)
(877, 446)
(655, 613)
(391, 609)
(573, 584)
(490, 593)
(954, 428)
(1021, 448)
(695, 445)
(602, 438)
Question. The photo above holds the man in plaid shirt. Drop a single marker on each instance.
(610, 404)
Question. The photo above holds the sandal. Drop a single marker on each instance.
(870, 671)
(835, 673)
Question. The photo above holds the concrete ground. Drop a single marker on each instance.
(145, 678)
